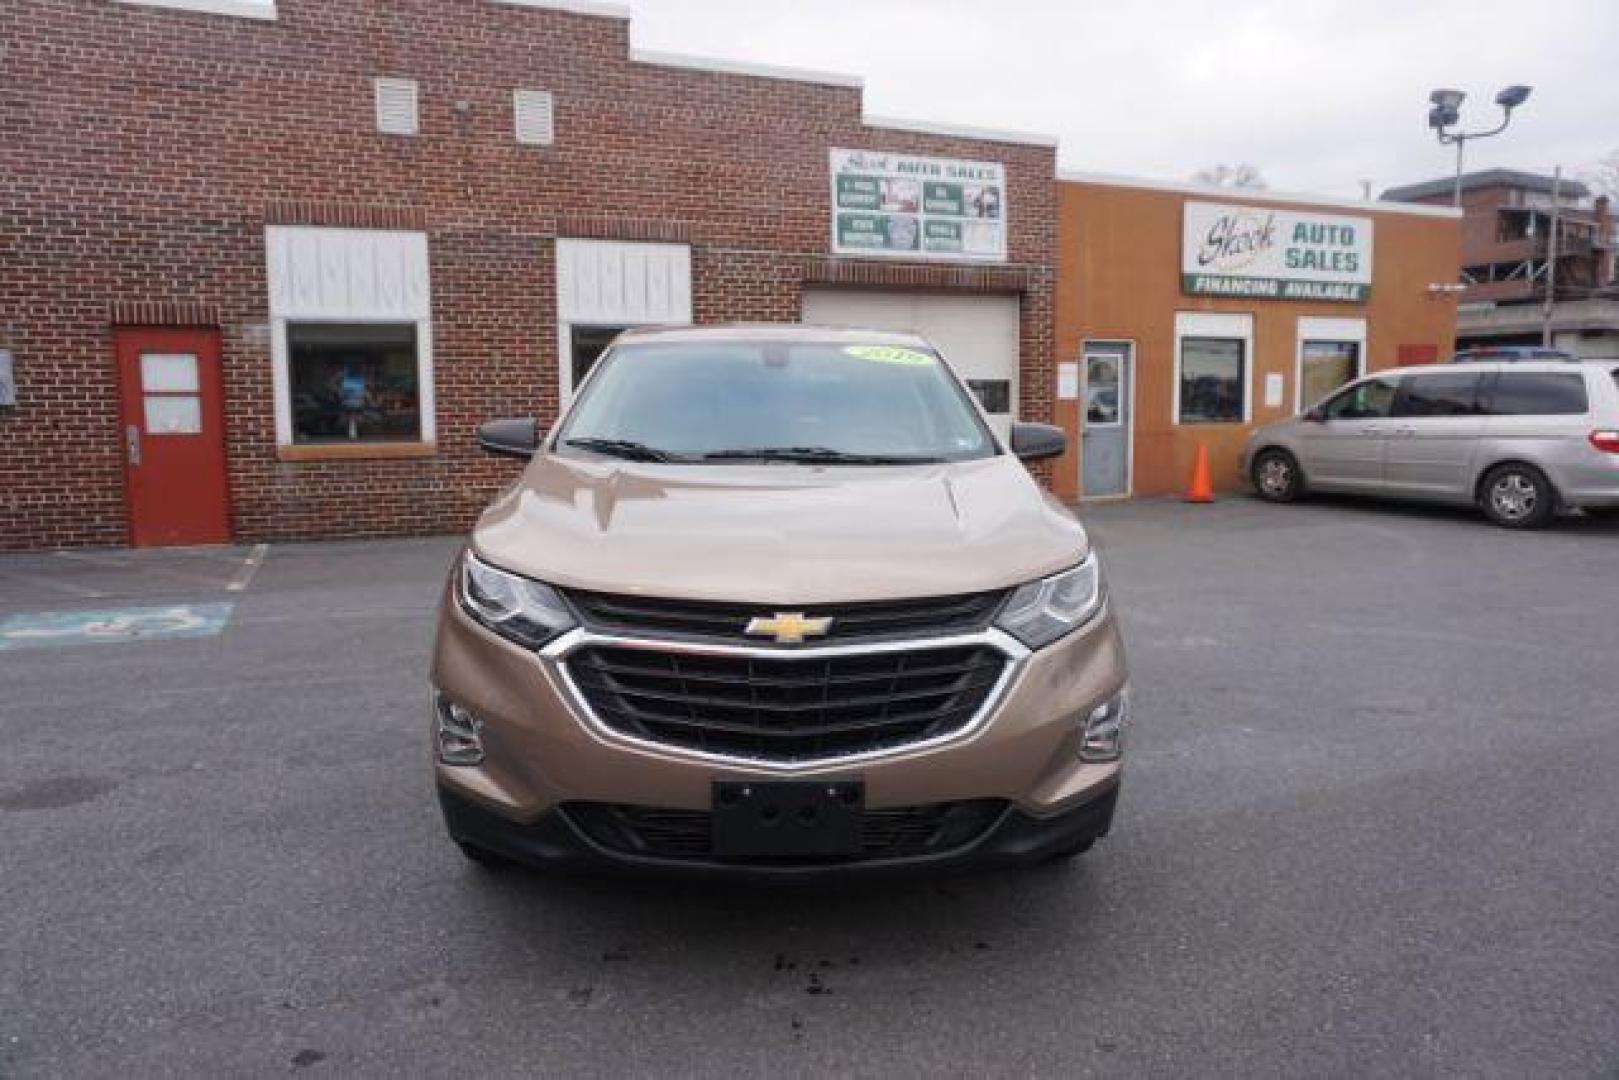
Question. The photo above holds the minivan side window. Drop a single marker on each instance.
(1369, 400)
(1538, 393)
(1447, 394)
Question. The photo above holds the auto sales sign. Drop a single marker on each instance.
(1259, 251)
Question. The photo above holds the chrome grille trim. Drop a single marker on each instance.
(555, 657)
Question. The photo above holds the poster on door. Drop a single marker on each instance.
(903, 206)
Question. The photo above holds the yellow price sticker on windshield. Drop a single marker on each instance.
(889, 354)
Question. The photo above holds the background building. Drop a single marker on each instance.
(266, 264)
(1506, 252)
(1186, 315)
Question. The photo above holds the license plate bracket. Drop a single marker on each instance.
(787, 819)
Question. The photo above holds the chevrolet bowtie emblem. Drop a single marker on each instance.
(788, 627)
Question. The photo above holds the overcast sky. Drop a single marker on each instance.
(1319, 94)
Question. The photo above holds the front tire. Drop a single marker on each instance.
(1516, 496)
(1276, 476)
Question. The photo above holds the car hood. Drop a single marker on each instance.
(779, 533)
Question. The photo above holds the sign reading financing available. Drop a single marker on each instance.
(901, 206)
(1277, 254)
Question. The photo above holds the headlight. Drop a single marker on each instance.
(517, 608)
(1043, 611)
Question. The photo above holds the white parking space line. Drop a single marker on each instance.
(250, 567)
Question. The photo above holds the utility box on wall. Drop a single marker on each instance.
(8, 381)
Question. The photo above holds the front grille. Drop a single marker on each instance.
(894, 833)
(788, 708)
(876, 620)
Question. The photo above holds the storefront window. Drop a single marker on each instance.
(354, 382)
(1213, 380)
(1326, 365)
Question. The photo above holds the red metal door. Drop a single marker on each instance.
(173, 423)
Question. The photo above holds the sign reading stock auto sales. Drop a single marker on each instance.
(904, 206)
(1257, 251)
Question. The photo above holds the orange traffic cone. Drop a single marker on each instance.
(1200, 490)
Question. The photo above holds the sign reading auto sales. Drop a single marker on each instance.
(903, 206)
(1259, 251)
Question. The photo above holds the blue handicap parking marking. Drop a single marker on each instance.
(39, 629)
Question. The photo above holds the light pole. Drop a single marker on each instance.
(1446, 111)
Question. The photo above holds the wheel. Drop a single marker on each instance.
(1517, 496)
(1277, 477)
(484, 857)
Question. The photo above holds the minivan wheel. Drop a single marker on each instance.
(1276, 476)
(1517, 497)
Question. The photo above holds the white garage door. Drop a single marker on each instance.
(977, 334)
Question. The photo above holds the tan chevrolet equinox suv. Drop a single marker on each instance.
(771, 600)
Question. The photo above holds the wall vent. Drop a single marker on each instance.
(396, 106)
(534, 114)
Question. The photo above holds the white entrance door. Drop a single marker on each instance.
(1105, 427)
(604, 286)
(978, 335)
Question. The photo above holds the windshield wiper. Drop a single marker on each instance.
(628, 449)
(818, 454)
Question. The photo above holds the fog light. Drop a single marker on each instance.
(459, 734)
(1104, 729)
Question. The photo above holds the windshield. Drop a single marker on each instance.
(774, 400)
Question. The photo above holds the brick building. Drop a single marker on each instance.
(1187, 315)
(266, 264)
(1506, 254)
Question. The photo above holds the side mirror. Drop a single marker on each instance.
(1315, 416)
(1036, 442)
(509, 438)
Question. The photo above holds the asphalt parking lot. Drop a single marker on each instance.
(1370, 826)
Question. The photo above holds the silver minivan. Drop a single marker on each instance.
(1518, 440)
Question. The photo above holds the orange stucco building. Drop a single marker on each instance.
(1188, 315)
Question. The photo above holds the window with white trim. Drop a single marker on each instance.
(354, 382)
(1332, 353)
(351, 336)
(1213, 368)
(604, 286)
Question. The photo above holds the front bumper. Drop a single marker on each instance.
(561, 839)
(544, 753)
